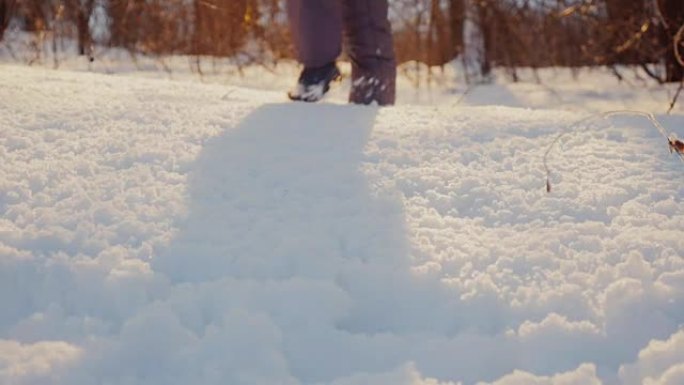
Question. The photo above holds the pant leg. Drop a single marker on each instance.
(370, 47)
(316, 28)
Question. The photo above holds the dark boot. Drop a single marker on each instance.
(313, 83)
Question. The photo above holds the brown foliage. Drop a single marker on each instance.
(529, 33)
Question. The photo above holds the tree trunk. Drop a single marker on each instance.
(441, 51)
(83, 27)
(125, 22)
(197, 32)
(117, 10)
(4, 16)
(477, 39)
(456, 20)
(487, 23)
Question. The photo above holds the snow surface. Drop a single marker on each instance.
(173, 232)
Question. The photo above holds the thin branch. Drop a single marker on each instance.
(636, 37)
(679, 36)
(676, 96)
(676, 44)
(651, 74)
(465, 92)
(556, 140)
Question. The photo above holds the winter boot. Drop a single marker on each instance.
(313, 83)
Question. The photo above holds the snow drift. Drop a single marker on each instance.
(157, 232)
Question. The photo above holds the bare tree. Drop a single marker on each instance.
(456, 23)
(6, 12)
(80, 12)
(672, 12)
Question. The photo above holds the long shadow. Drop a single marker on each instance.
(281, 196)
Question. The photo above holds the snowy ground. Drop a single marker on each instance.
(175, 232)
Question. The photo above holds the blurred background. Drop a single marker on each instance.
(480, 34)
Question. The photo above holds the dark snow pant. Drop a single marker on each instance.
(317, 27)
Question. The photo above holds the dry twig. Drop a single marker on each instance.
(676, 96)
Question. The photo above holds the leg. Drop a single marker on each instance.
(370, 48)
(316, 27)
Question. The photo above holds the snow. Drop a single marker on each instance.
(158, 231)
